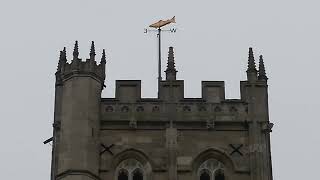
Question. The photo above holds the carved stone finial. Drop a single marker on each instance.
(62, 59)
(92, 51)
(251, 71)
(262, 70)
(251, 62)
(171, 70)
(76, 51)
(103, 58)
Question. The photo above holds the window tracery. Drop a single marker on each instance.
(130, 169)
(211, 169)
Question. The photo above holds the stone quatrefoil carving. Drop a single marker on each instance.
(186, 108)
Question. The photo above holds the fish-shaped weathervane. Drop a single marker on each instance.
(161, 23)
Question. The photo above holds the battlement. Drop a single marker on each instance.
(128, 105)
(129, 91)
(89, 67)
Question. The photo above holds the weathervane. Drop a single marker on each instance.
(158, 25)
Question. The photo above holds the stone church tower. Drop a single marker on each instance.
(166, 138)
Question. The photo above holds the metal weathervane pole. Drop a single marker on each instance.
(158, 26)
(159, 62)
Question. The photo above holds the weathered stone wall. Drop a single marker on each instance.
(190, 145)
(204, 130)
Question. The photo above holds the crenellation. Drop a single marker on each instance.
(213, 91)
(128, 91)
(172, 90)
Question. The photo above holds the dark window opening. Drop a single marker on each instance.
(137, 175)
(205, 176)
(122, 175)
(219, 176)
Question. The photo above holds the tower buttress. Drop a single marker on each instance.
(254, 91)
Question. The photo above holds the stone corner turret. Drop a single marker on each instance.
(76, 67)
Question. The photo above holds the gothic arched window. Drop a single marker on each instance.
(123, 175)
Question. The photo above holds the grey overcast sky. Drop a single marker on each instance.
(211, 43)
